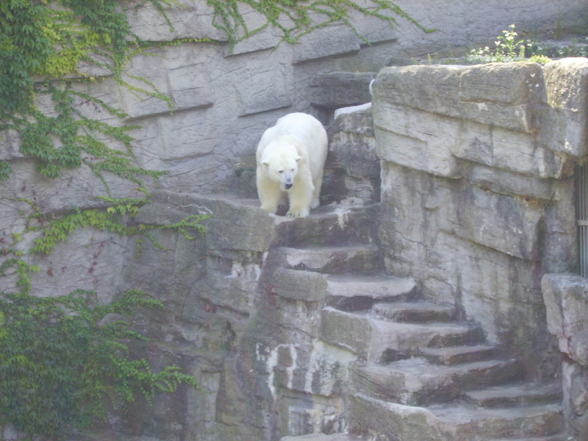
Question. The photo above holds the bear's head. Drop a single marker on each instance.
(282, 169)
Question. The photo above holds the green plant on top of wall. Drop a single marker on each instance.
(508, 47)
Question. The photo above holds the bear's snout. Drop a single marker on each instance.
(288, 186)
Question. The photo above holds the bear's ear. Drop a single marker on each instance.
(298, 158)
(265, 163)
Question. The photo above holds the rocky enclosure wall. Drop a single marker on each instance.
(477, 187)
(478, 202)
(224, 100)
(218, 326)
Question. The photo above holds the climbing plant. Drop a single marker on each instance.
(61, 366)
(63, 362)
(295, 18)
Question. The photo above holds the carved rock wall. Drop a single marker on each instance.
(218, 326)
(477, 187)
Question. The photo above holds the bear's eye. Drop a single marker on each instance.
(280, 171)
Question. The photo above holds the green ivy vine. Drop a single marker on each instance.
(63, 366)
(296, 18)
(63, 363)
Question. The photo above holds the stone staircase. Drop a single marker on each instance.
(421, 373)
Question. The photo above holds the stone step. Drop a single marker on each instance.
(557, 437)
(525, 394)
(515, 422)
(363, 259)
(381, 340)
(414, 311)
(416, 382)
(449, 422)
(330, 225)
(354, 293)
(453, 355)
(322, 437)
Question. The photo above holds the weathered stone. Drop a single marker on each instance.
(73, 188)
(9, 145)
(450, 423)
(235, 224)
(566, 302)
(333, 260)
(340, 89)
(516, 395)
(515, 225)
(334, 39)
(299, 285)
(507, 150)
(330, 225)
(323, 437)
(352, 292)
(514, 184)
(262, 90)
(137, 104)
(564, 126)
(190, 87)
(416, 139)
(353, 145)
(464, 92)
(575, 386)
(369, 337)
(190, 19)
(186, 136)
(416, 382)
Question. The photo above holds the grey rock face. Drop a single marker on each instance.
(566, 301)
(472, 166)
(466, 202)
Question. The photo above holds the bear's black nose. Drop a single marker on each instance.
(288, 186)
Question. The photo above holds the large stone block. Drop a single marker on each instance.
(77, 187)
(566, 300)
(190, 86)
(353, 144)
(186, 135)
(331, 40)
(340, 89)
(265, 83)
(148, 76)
(299, 285)
(10, 145)
(235, 225)
(564, 128)
(507, 150)
(504, 223)
(501, 94)
(189, 19)
(416, 139)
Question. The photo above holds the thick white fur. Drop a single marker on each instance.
(292, 152)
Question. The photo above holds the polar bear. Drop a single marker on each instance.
(290, 161)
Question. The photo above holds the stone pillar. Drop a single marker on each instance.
(477, 188)
(566, 298)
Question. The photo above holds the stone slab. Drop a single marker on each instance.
(331, 40)
(416, 139)
(564, 128)
(340, 89)
(566, 302)
(323, 437)
(502, 94)
(299, 285)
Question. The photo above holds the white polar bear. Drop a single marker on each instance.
(290, 160)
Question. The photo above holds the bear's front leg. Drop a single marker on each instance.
(269, 194)
(300, 198)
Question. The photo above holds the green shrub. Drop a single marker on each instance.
(63, 366)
